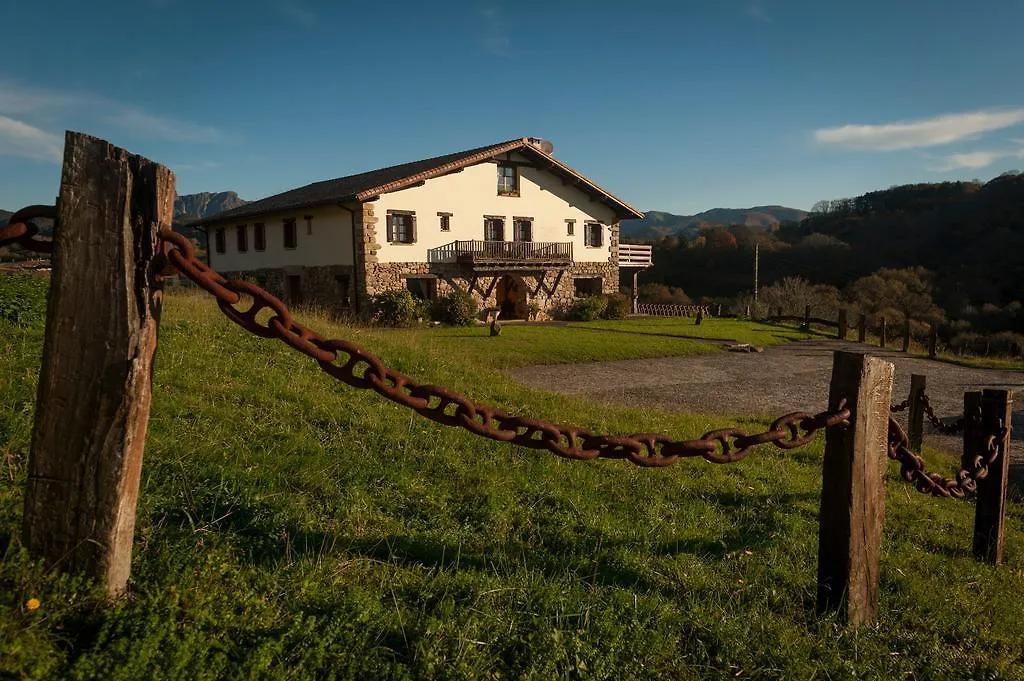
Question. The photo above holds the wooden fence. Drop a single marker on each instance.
(80, 503)
(840, 324)
(664, 310)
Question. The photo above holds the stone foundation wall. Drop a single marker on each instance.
(552, 290)
(323, 287)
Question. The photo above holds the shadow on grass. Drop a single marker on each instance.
(552, 544)
(654, 333)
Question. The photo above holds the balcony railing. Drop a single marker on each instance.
(494, 252)
(635, 255)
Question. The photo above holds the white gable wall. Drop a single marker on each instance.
(471, 194)
(329, 244)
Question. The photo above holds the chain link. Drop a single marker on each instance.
(973, 467)
(902, 406)
(939, 425)
(243, 302)
(22, 231)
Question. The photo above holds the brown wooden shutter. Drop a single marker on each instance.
(413, 233)
(391, 229)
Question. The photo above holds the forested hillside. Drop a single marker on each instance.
(968, 235)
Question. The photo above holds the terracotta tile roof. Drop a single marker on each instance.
(365, 186)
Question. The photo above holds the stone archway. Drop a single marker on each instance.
(510, 295)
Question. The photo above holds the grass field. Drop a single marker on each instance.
(290, 527)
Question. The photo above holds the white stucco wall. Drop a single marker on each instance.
(329, 244)
(471, 194)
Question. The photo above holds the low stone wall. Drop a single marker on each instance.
(330, 287)
(552, 290)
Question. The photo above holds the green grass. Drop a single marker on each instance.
(574, 342)
(291, 527)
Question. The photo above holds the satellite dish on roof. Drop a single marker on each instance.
(542, 144)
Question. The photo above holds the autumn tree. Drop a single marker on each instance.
(897, 294)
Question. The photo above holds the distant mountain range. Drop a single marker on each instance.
(5, 215)
(657, 224)
(189, 207)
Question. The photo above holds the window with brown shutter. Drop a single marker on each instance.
(219, 239)
(593, 234)
(401, 226)
(570, 227)
(494, 229)
(290, 237)
(242, 234)
(259, 236)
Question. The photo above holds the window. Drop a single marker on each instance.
(570, 227)
(508, 180)
(294, 286)
(401, 226)
(423, 288)
(259, 236)
(587, 286)
(219, 239)
(446, 221)
(309, 223)
(343, 282)
(593, 234)
(290, 236)
(522, 229)
(242, 232)
(494, 229)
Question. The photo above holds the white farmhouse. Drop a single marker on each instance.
(508, 222)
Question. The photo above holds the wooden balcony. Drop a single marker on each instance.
(483, 255)
(635, 255)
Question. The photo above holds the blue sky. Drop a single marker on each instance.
(676, 106)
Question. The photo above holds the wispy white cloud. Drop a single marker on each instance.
(755, 9)
(974, 160)
(201, 165)
(159, 127)
(927, 132)
(494, 37)
(299, 15)
(49, 110)
(20, 139)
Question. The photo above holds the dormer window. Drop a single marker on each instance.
(508, 180)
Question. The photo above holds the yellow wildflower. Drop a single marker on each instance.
(32, 603)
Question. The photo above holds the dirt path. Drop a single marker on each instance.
(787, 377)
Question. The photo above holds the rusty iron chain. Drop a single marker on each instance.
(22, 231)
(902, 406)
(360, 368)
(940, 425)
(973, 466)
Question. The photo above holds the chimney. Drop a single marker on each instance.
(542, 144)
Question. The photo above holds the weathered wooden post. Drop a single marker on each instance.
(807, 318)
(718, 312)
(881, 342)
(906, 334)
(996, 409)
(700, 316)
(933, 336)
(862, 327)
(915, 411)
(746, 312)
(841, 334)
(92, 404)
(853, 489)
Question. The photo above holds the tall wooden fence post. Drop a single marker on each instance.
(92, 404)
(906, 334)
(842, 324)
(915, 411)
(996, 408)
(853, 489)
(881, 341)
(807, 318)
(933, 337)
(862, 327)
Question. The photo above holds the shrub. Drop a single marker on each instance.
(587, 309)
(617, 307)
(458, 308)
(398, 308)
(23, 298)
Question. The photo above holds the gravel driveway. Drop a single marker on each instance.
(783, 378)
